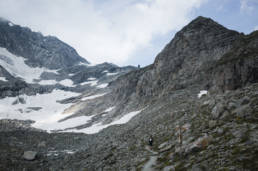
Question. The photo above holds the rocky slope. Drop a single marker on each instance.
(214, 130)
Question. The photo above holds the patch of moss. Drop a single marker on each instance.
(180, 167)
(224, 169)
(140, 165)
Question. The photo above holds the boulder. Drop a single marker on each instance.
(212, 124)
(29, 155)
(217, 111)
(42, 144)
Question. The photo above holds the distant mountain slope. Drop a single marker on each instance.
(39, 50)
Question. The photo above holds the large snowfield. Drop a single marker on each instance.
(45, 109)
(47, 112)
(100, 126)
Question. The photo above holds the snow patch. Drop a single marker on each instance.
(70, 123)
(91, 79)
(91, 64)
(10, 24)
(109, 109)
(81, 63)
(92, 83)
(16, 66)
(103, 85)
(3, 79)
(69, 151)
(70, 75)
(67, 83)
(56, 153)
(92, 97)
(47, 82)
(47, 117)
(53, 71)
(99, 126)
(202, 92)
(110, 74)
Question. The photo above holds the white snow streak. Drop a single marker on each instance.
(3, 79)
(47, 82)
(202, 92)
(92, 97)
(67, 82)
(109, 74)
(99, 126)
(72, 122)
(109, 109)
(92, 83)
(16, 66)
(103, 85)
(91, 79)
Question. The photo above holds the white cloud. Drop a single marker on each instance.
(256, 28)
(247, 5)
(111, 30)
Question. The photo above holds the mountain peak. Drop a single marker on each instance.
(206, 24)
(203, 31)
(202, 19)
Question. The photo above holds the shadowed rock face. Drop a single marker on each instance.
(239, 66)
(40, 51)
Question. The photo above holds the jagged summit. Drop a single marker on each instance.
(200, 41)
(203, 27)
(202, 22)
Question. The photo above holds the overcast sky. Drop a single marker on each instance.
(124, 32)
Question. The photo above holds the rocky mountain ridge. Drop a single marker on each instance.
(39, 50)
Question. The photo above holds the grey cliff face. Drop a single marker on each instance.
(195, 57)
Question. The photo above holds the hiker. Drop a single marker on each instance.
(150, 141)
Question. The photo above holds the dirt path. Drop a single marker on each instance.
(152, 160)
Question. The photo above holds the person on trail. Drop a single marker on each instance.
(150, 141)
